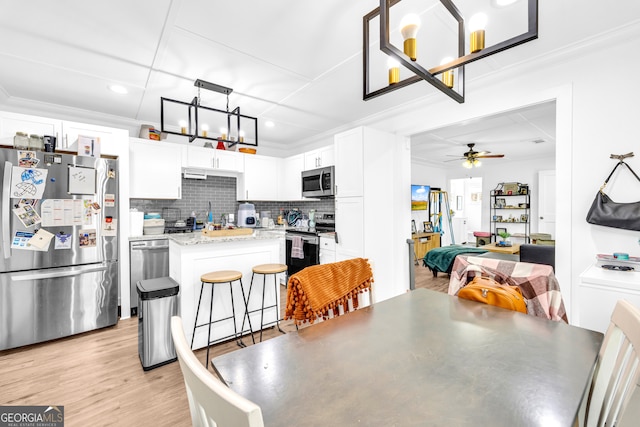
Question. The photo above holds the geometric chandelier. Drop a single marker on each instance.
(195, 121)
(448, 74)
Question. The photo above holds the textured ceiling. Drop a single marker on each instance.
(298, 64)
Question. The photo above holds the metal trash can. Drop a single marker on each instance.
(158, 302)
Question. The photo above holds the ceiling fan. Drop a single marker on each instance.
(471, 157)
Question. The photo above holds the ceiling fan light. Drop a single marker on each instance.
(467, 164)
(477, 163)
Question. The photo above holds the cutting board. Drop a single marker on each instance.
(227, 233)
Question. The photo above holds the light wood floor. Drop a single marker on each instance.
(98, 378)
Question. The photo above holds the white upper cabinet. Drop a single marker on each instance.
(10, 123)
(290, 184)
(319, 158)
(212, 159)
(260, 178)
(110, 139)
(154, 169)
(66, 132)
(349, 170)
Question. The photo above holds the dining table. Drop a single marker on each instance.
(423, 358)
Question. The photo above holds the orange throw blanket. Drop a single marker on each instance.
(316, 289)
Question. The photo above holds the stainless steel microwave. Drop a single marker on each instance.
(319, 183)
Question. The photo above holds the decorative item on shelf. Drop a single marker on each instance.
(427, 226)
(220, 145)
(522, 17)
(235, 127)
(505, 236)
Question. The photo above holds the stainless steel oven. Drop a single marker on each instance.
(310, 249)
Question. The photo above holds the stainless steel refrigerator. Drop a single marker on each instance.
(59, 245)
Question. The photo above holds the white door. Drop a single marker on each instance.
(547, 202)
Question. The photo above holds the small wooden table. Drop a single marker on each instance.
(513, 249)
(421, 358)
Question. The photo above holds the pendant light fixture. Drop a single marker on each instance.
(191, 119)
(449, 75)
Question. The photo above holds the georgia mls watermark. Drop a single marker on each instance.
(31, 416)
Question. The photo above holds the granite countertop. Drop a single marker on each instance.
(181, 238)
(188, 239)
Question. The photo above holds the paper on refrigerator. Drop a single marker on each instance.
(41, 239)
(28, 183)
(66, 212)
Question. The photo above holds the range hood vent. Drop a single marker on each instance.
(194, 174)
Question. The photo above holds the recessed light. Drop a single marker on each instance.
(503, 3)
(269, 124)
(118, 89)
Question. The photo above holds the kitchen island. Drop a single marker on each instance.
(192, 254)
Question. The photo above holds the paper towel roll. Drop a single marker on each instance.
(136, 223)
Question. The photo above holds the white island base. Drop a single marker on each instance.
(191, 257)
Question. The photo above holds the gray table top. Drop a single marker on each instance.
(422, 358)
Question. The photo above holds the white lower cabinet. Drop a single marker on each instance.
(598, 292)
(349, 228)
(327, 250)
(154, 170)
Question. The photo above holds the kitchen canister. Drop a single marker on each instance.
(21, 141)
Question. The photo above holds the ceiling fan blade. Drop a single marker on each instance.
(490, 156)
(456, 160)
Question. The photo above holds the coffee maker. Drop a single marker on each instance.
(247, 215)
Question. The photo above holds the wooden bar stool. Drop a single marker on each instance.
(216, 278)
(265, 269)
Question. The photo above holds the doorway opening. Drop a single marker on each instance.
(466, 207)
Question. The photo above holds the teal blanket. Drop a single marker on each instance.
(441, 259)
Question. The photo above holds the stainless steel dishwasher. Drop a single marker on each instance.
(149, 259)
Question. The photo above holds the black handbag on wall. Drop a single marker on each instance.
(608, 213)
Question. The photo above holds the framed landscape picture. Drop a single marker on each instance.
(420, 197)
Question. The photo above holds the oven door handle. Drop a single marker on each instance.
(306, 239)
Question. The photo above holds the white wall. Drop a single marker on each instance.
(497, 171)
(596, 116)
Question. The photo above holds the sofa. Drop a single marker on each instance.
(538, 254)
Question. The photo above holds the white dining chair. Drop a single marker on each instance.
(211, 402)
(614, 396)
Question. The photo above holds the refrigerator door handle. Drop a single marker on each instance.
(46, 274)
(6, 210)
